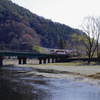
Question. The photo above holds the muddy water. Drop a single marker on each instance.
(19, 83)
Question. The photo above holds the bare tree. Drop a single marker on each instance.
(91, 27)
(90, 41)
(97, 38)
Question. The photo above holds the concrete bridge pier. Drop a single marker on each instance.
(56, 59)
(44, 60)
(40, 60)
(22, 60)
(53, 60)
(1, 61)
(19, 60)
(48, 60)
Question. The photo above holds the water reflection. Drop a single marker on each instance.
(72, 90)
(18, 83)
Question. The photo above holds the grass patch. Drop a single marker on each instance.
(74, 63)
(67, 64)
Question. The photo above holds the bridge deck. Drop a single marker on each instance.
(29, 54)
(23, 56)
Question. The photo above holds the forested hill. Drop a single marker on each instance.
(20, 28)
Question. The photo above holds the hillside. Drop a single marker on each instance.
(21, 29)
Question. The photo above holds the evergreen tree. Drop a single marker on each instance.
(61, 44)
(3, 46)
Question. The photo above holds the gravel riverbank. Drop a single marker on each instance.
(78, 72)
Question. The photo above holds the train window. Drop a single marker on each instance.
(51, 51)
(61, 52)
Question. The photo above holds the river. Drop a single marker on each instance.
(19, 83)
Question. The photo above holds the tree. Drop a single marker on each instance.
(61, 44)
(36, 48)
(75, 41)
(89, 41)
(97, 36)
(3, 46)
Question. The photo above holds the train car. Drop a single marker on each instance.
(61, 51)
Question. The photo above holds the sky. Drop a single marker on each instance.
(68, 12)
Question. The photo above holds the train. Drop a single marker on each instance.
(62, 51)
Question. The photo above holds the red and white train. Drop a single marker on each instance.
(60, 51)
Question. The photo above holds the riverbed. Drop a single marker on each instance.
(26, 83)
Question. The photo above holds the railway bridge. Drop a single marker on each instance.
(22, 57)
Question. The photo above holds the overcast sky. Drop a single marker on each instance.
(69, 12)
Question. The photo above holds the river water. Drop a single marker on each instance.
(19, 83)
